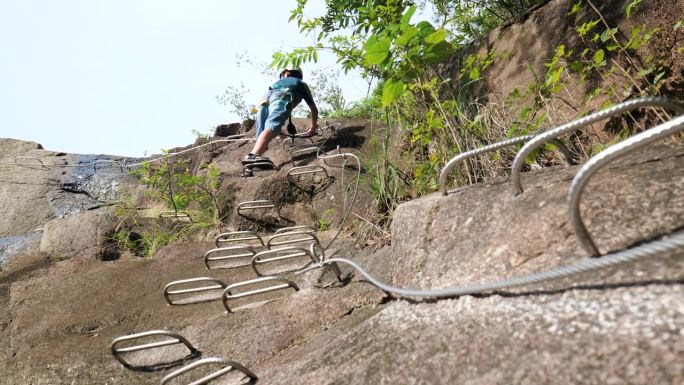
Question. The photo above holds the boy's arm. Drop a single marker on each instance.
(312, 106)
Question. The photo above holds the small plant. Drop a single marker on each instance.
(325, 220)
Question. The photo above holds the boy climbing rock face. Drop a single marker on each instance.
(276, 108)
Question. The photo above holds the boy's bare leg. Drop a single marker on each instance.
(262, 142)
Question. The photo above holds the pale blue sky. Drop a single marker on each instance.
(125, 77)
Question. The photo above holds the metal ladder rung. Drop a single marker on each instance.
(295, 228)
(286, 253)
(304, 236)
(248, 252)
(257, 205)
(229, 367)
(24, 157)
(227, 295)
(168, 292)
(175, 340)
(175, 214)
(238, 236)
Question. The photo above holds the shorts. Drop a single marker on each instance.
(278, 110)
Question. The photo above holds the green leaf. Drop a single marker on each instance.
(406, 37)
(391, 91)
(439, 52)
(436, 37)
(407, 17)
(608, 34)
(631, 6)
(678, 25)
(377, 50)
(474, 74)
(425, 28)
(599, 56)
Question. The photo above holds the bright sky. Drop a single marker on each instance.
(125, 77)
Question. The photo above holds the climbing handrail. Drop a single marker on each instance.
(175, 340)
(294, 237)
(175, 214)
(295, 228)
(443, 175)
(238, 236)
(648, 101)
(108, 162)
(229, 366)
(234, 252)
(218, 284)
(280, 254)
(581, 179)
(256, 205)
(227, 294)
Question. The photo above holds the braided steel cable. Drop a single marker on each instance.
(579, 182)
(668, 244)
(649, 101)
(347, 208)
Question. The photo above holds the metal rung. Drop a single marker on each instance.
(303, 170)
(295, 228)
(227, 295)
(302, 149)
(228, 253)
(493, 147)
(618, 109)
(238, 236)
(32, 158)
(258, 166)
(108, 162)
(288, 143)
(282, 254)
(175, 214)
(175, 339)
(229, 366)
(296, 237)
(168, 292)
(584, 174)
(257, 205)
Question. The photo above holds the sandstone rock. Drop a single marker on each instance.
(85, 235)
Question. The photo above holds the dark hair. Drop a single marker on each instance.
(295, 73)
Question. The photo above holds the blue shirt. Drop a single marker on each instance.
(297, 87)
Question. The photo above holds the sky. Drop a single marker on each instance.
(130, 77)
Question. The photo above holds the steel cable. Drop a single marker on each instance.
(664, 245)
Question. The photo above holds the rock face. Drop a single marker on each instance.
(619, 325)
(37, 186)
(86, 235)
